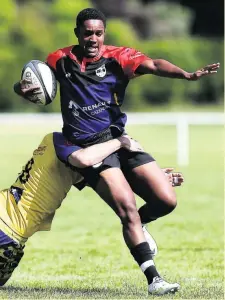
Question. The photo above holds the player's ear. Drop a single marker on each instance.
(76, 32)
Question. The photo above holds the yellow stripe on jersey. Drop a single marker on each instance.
(30, 204)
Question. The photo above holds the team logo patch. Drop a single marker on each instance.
(101, 72)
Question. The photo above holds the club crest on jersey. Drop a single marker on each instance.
(101, 72)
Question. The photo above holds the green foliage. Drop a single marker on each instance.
(168, 19)
(64, 19)
(189, 54)
(7, 16)
(120, 33)
(36, 28)
(68, 9)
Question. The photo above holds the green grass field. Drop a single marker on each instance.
(84, 255)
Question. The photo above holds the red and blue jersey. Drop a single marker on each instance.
(92, 90)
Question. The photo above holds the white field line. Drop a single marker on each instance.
(214, 118)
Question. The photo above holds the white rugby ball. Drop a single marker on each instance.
(42, 76)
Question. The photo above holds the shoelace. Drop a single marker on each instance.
(158, 279)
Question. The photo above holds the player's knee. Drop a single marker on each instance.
(128, 213)
(172, 203)
(171, 206)
(170, 200)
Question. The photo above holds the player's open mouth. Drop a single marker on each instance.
(91, 49)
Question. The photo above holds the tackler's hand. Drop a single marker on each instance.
(175, 178)
(130, 144)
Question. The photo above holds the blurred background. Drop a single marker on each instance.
(85, 256)
(187, 33)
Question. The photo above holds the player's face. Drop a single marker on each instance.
(91, 37)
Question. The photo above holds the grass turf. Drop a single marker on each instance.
(84, 255)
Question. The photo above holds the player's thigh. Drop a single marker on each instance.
(149, 182)
(114, 189)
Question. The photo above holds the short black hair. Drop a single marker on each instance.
(90, 14)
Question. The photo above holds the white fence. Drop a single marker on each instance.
(180, 120)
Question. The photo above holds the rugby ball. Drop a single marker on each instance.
(41, 76)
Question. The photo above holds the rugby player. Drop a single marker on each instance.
(93, 78)
(30, 203)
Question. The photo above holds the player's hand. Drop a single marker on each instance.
(27, 89)
(175, 178)
(130, 144)
(208, 70)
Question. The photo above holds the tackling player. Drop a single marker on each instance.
(30, 203)
(93, 78)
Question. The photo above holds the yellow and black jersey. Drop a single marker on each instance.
(30, 203)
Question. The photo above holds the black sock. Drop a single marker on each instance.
(143, 257)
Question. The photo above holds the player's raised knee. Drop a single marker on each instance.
(171, 201)
(169, 198)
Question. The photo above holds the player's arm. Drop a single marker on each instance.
(163, 68)
(92, 155)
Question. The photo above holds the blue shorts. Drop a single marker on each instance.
(63, 148)
(10, 256)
